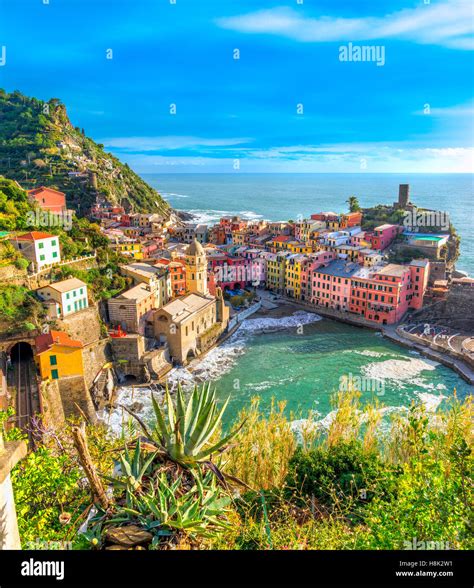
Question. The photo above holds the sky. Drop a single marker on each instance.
(174, 86)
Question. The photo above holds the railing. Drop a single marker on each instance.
(49, 266)
(238, 318)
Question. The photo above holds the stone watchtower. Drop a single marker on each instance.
(196, 269)
(403, 195)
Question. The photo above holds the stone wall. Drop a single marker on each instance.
(128, 353)
(73, 391)
(84, 326)
(53, 411)
(94, 357)
(456, 311)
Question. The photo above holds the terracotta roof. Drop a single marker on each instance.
(45, 342)
(34, 236)
(42, 189)
(281, 238)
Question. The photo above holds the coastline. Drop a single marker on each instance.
(284, 308)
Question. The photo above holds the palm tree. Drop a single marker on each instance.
(353, 204)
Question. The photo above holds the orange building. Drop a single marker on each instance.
(58, 355)
(351, 219)
(177, 271)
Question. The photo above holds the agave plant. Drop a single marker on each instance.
(200, 510)
(187, 431)
(133, 468)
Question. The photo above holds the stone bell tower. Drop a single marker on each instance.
(196, 269)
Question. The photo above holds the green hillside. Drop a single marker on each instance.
(40, 146)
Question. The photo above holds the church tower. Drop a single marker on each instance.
(196, 269)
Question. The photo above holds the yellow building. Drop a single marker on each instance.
(57, 356)
(130, 249)
(279, 243)
(294, 265)
(299, 247)
(238, 237)
(276, 263)
(196, 269)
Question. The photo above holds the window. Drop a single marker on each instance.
(54, 374)
(42, 257)
(55, 253)
(53, 360)
(53, 243)
(40, 245)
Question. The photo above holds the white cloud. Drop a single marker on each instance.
(450, 24)
(169, 142)
(340, 158)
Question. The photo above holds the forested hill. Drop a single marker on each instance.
(39, 146)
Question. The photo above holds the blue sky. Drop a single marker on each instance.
(288, 104)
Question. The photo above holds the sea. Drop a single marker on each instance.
(304, 359)
(294, 196)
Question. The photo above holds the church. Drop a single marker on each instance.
(192, 323)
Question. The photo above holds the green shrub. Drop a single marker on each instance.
(338, 475)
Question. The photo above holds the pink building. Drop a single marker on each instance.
(384, 295)
(379, 294)
(315, 261)
(230, 272)
(382, 236)
(329, 285)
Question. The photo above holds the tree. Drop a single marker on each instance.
(353, 204)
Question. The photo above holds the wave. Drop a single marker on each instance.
(265, 324)
(222, 359)
(399, 371)
(430, 401)
(211, 367)
(173, 195)
(250, 215)
(211, 216)
(137, 399)
(367, 353)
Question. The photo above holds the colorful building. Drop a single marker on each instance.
(48, 199)
(293, 269)
(299, 247)
(384, 295)
(129, 310)
(351, 219)
(129, 249)
(65, 297)
(329, 285)
(57, 356)
(177, 271)
(383, 235)
(276, 270)
(40, 248)
(279, 243)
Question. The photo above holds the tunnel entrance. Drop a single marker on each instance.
(21, 351)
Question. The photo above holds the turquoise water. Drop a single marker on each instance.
(285, 196)
(305, 369)
(304, 363)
